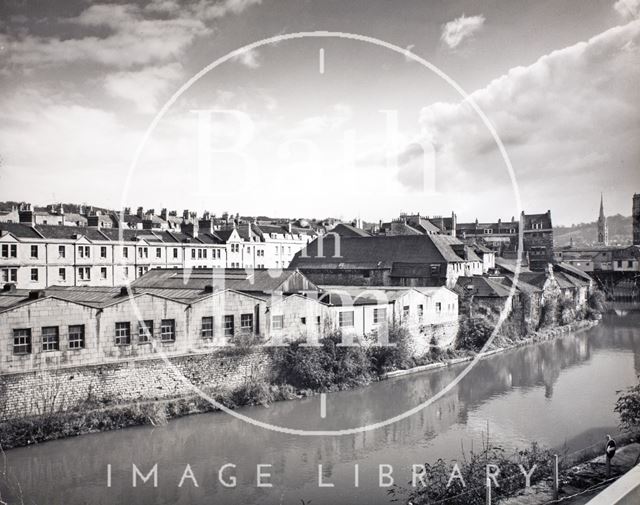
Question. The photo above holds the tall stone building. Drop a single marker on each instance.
(636, 219)
(603, 230)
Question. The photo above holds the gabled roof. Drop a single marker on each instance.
(377, 251)
(485, 287)
(347, 230)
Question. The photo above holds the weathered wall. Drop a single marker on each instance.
(33, 393)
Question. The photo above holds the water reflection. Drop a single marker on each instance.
(541, 392)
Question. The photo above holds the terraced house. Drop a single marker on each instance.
(34, 256)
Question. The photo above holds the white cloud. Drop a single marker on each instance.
(570, 116)
(159, 31)
(249, 58)
(456, 31)
(143, 87)
(628, 8)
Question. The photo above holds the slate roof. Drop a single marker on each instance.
(347, 230)
(379, 251)
(485, 287)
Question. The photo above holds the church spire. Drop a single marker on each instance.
(603, 231)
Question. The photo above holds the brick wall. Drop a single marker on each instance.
(48, 391)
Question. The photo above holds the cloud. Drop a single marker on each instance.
(143, 87)
(121, 35)
(456, 31)
(571, 116)
(249, 58)
(628, 8)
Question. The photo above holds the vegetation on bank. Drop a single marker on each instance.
(297, 371)
(463, 481)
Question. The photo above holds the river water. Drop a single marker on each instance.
(560, 393)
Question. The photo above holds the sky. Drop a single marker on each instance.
(405, 121)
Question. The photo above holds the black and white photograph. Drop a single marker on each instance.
(319, 252)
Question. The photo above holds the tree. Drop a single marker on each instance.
(628, 408)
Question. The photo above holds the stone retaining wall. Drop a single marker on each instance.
(45, 392)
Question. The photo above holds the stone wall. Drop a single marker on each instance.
(50, 391)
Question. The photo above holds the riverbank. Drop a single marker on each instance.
(499, 345)
(584, 480)
(92, 417)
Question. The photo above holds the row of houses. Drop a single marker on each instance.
(34, 256)
(182, 311)
(601, 258)
(500, 236)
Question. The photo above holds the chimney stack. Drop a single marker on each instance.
(163, 214)
(140, 212)
(26, 215)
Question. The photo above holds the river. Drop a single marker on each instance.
(560, 393)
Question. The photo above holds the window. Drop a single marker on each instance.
(318, 321)
(103, 272)
(405, 311)
(34, 275)
(199, 254)
(126, 272)
(22, 341)
(630, 264)
(123, 333)
(125, 252)
(438, 307)
(9, 250)
(175, 253)
(303, 320)
(345, 319)
(277, 322)
(9, 274)
(246, 323)
(76, 336)
(84, 273)
(193, 254)
(62, 274)
(379, 316)
(143, 252)
(103, 252)
(142, 271)
(158, 252)
(168, 330)
(420, 312)
(619, 264)
(50, 338)
(435, 269)
(204, 253)
(84, 251)
(62, 251)
(207, 327)
(145, 331)
(229, 328)
(34, 251)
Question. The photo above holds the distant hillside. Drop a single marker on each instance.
(587, 233)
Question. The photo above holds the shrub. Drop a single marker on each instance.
(399, 356)
(252, 392)
(328, 367)
(473, 468)
(473, 333)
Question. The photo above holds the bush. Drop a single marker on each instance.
(473, 333)
(473, 469)
(252, 392)
(386, 358)
(628, 408)
(328, 367)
